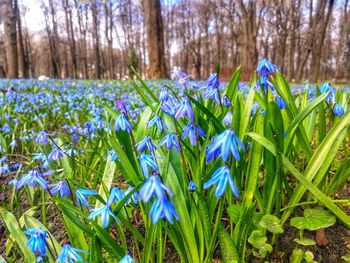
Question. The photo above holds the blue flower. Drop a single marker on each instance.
(225, 143)
(90, 127)
(326, 87)
(192, 186)
(122, 123)
(157, 120)
(115, 195)
(75, 137)
(42, 138)
(164, 95)
(185, 109)
(226, 101)
(60, 187)
(82, 195)
(55, 154)
(280, 102)
(113, 155)
(170, 140)
(70, 254)
(4, 169)
(338, 109)
(265, 68)
(37, 242)
(13, 182)
(6, 128)
(13, 143)
(213, 85)
(153, 186)
(32, 178)
(145, 143)
(212, 93)
(105, 212)
(15, 166)
(221, 177)
(168, 107)
(134, 197)
(120, 104)
(180, 76)
(163, 208)
(127, 259)
(213, 81)
(42, 157)
(227, 121)
(4, 159)
(146, 161)
(190, 132)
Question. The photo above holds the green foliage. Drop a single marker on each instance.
(292, 158)
(313, 219)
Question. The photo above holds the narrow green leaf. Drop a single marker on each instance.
(304, 183)
(217, 124)
(232, 87)
(228, 250)
(292, 128)
(15, 230)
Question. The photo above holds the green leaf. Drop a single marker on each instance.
(309, 256)
(254, 164)
(228, 250)
(295, 124)
(313, 219)
(306, 184)
(258, 240)
(217, 124)
(15, 230)
(322, 123)
(320, 160)
(67, 170)
(232, 87)
(305, 241)
(106, 180)
(346, 258)
(144, 86)
(234, 211)
(108, 241)
(340, 177)
(272, 224)
(283, 89)
(244, 122)
(297, 256)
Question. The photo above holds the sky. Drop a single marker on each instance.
(34, 16)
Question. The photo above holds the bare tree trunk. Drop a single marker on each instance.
(155, 38)
(22, 56)
(10, 39)
(70, 35)
(249, 51)
(109, 37)
(96, 40)
(317, 50)
(82, 41)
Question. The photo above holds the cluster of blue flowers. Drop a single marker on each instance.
(39, 245)
(226, 148)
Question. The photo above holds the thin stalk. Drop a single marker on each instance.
(160, 240)
(215, 231)
(43, 207)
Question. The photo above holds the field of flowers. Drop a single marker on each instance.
(174, 171)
